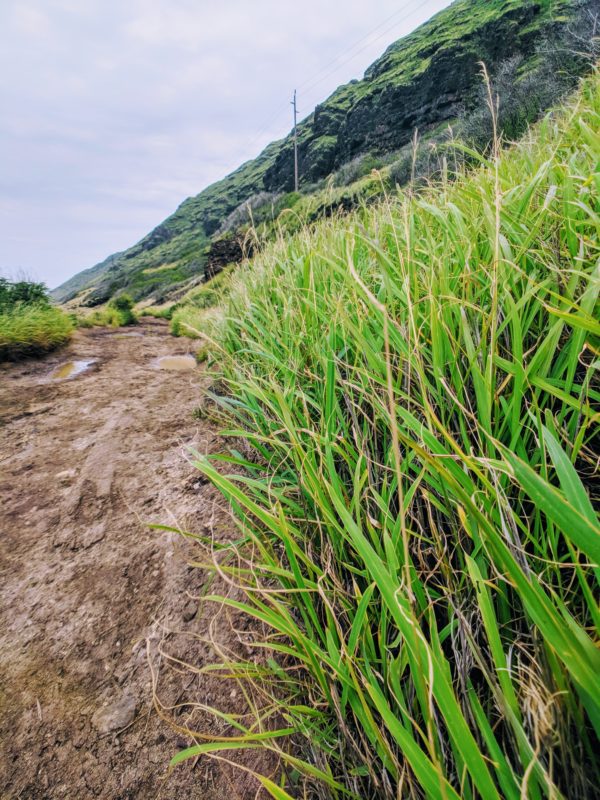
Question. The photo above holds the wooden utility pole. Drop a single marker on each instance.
(295, 142)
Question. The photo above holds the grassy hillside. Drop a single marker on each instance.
(418, 385)
(424, 81)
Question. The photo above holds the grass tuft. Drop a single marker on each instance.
(30, 330)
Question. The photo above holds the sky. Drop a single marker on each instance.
(114, 111)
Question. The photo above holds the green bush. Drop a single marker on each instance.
(24, 292)
(117, 313)
(159, 313)
(120, 312)
(122, 302)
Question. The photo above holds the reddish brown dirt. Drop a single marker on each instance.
(91, 597)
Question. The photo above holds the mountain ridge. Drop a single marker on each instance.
(422, 81)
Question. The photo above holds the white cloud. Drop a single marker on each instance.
(114, 111)
(29, 21)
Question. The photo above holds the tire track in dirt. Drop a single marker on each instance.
(86, 587)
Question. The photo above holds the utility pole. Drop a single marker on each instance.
(295, 142)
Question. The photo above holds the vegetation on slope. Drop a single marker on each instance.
(117, 313)
(29, 325)
(418, 385)
(426, 81)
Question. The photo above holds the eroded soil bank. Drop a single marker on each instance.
(91, 598)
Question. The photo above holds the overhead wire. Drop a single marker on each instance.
(325, 73)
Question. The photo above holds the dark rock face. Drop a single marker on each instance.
(380, 113)
(227, 250)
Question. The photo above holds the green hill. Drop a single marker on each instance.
(424, 81)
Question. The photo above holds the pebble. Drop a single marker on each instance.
(190, 610)
(115, 716)
(66, 475)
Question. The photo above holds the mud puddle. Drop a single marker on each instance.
(176, 363)
(131, 335)
(71, 369)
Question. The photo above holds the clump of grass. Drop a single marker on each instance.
(419, 387)
(120, 311)
(117, 313)
(30, 330)
(200, 306)
(159, 313)
(193, 322)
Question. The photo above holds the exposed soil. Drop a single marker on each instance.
(93, 601)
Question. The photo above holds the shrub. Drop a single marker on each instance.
(243, 214)
(117, 313)
(523, 92)
(357, 168)
(25, 292)
(122, 302)
(159, 313)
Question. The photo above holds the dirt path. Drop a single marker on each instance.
(85, 584)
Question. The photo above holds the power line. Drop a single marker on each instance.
(307, 86)
(322, 74)
(335, 60)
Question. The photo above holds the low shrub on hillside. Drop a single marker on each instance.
(120, 310)
(193, 322)
(418, 388)
(159, 313)
(117, 313)
(357, 168)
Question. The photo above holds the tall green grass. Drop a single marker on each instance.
(419, 386)
(200, 306)
(29, 330)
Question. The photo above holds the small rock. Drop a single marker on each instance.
(115, 716)
(190, 610)
(90, 536)
(79, 740)
(66, 475)
(38, 408)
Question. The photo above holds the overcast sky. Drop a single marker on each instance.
(112, 112)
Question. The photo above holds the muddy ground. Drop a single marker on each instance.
(93, 601)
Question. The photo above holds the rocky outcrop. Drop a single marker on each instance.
(227, 250)
(380, 113)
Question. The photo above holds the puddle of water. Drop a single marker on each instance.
(176, 363)
(70, 369)
(125, 335)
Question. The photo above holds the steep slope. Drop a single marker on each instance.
(423, 81)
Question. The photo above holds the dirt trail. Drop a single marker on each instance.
(86, 586)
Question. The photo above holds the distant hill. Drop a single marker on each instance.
(424, 81)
